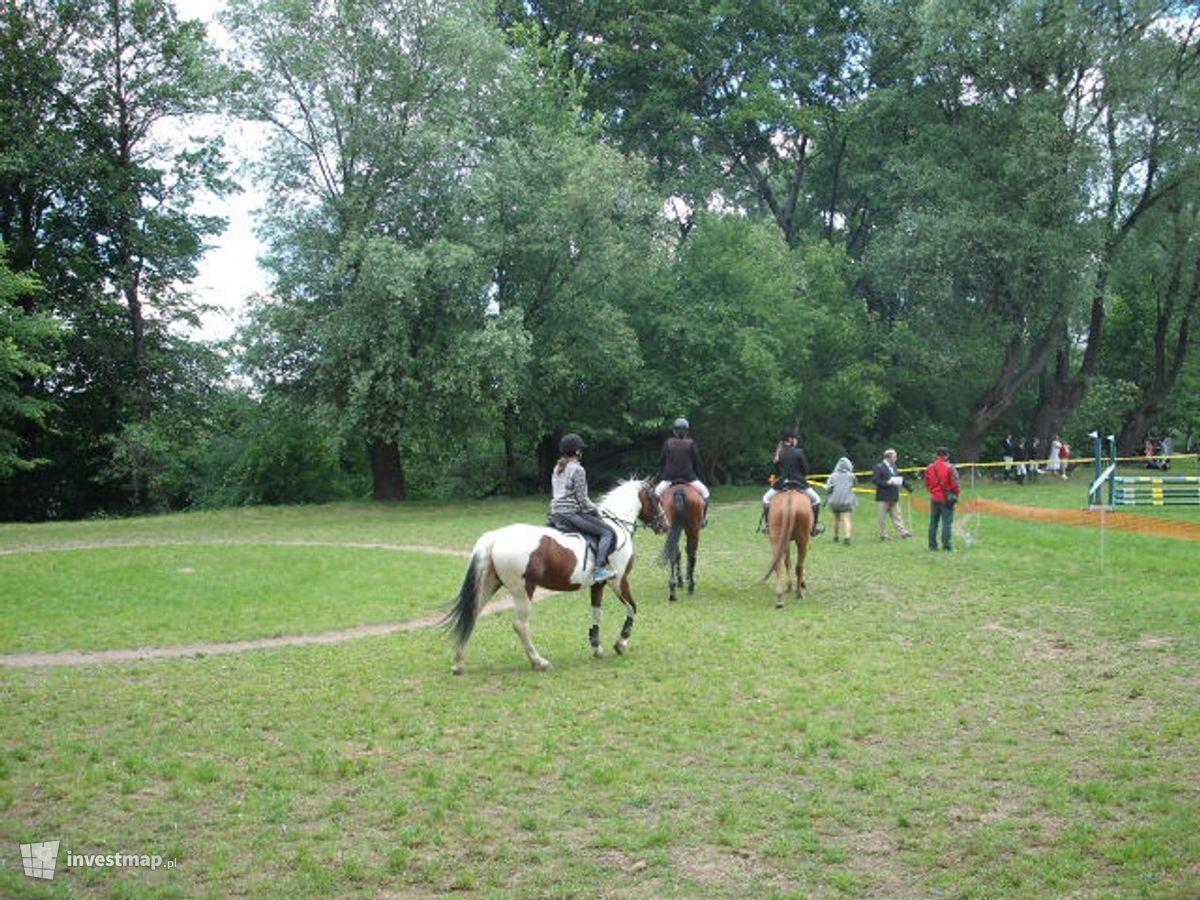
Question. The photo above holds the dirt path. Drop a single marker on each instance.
(99, 657)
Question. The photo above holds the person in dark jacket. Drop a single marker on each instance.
(791, 467)
(888, 481)
(942, 481)
(679, 462)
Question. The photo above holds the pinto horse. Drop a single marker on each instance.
(523, 558)
(685, 514)
(791, 519)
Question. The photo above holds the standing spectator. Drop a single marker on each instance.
(942, 481)
(1007, 453)
(1065, 455)
(1148, 452)
(1054, 466)
(1021, 458)
(1035, 457)
(842, 499)
(888, 481)
(1165, 449)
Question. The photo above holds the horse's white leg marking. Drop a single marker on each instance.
(522, 607)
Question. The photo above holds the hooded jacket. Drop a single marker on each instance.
(840, 486)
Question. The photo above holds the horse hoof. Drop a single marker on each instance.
(598, 653)
(542, 665)
(779, 604)
(458, 670)
(621, 646)
(691, 589)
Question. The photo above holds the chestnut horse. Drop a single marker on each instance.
(685, 514)
(523, 558)
(791, 519)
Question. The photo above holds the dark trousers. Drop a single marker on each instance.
(589, 523)
(945, 513)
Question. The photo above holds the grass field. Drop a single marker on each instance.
(1018, 719)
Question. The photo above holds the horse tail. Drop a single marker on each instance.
(464, 609)
(781, 532)
(671, 545)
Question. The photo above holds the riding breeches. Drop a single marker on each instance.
(662, 486)
(585, 523)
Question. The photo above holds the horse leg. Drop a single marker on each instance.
(522, 607)
(783, 574)
(676, 579)
(626, 596)
(597, 615)
(691, 568)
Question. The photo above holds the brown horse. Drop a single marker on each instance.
(684, 508)
(791, 519)
(523, 558)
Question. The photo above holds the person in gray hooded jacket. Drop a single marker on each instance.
(842, 499)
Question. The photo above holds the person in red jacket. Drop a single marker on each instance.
(942, 481)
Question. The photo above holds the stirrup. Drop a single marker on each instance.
(602, 573)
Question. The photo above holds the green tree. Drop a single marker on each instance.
(381, 112)
(95, 198)
(23, 349)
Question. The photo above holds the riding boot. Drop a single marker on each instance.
(817, 529)
(704, 524)
(764, 524)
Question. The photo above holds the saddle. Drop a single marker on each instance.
(789, 484)
(591, 543)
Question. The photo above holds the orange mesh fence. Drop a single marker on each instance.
(1119, 521)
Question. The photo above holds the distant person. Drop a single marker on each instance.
(942, 482)
(1022, 460)
(679, 463)
(1007, 454)
(888, 481)
(1148, 452)
(1054, 464)
(791, 466)
(842, 499)
(1035, 457)
(572, 510)
(1065, 455)
(1165, 450)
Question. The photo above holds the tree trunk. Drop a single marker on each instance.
(998, 398)
(510, 457)
(547, 457)
(1168, 363)
(387, 471)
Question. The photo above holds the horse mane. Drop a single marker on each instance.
(625, 492)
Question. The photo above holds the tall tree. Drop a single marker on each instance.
(1145, 101)
(381, 110)
(96, 186)
(1154, 325)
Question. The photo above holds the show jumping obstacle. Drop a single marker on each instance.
(1137, 490)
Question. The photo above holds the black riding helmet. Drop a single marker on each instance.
(789, 431)
(570, 444)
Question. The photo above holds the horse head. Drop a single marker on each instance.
(651, 512)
